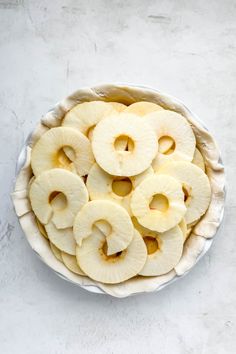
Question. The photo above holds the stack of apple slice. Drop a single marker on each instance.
(117, 189)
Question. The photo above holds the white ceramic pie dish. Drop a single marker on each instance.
(199, 241)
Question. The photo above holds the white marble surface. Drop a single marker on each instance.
(48, 49)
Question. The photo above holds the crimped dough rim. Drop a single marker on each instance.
(196, 245)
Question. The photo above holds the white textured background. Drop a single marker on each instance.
(48, 49)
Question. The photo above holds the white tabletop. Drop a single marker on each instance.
(50, 48)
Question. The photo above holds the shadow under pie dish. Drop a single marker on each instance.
(207, 156)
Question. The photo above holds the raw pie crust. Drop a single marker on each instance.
(197, 243)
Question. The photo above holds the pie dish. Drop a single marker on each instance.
(201, 237)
